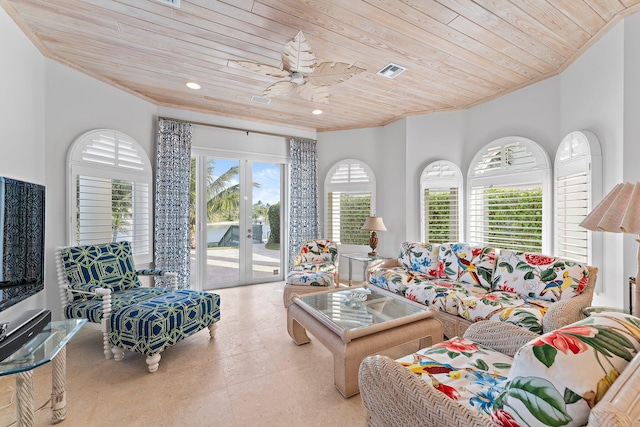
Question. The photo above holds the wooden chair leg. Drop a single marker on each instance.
(212, 329)
(118, 353)
(153, 362)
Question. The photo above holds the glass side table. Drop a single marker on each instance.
(49, 345)
(366, 261)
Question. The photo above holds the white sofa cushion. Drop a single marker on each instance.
(464, 263)
(539, 276)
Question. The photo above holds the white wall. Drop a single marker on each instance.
(631, 146)
(46, 105)
(362, 144)
(598, 92)
(22, 120)
(430, 138)
(76, 103)
(592, 93)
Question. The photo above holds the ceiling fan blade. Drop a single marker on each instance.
(331, 73)
(278, 88)
(297, 55)
(263, 69)
(314, 93)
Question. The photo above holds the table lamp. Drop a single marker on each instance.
(373, 224)
(619, 212)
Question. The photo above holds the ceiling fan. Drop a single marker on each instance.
(309, 79)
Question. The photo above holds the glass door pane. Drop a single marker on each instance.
(265, 246)
(235, 222)
(223, 221)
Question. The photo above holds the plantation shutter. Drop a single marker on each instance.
(509, 190)
(441, 219)
(347, 213)
(110, 182)
(507, 217)
(350, 198)
(572, 205)
(441, 184)
(105, 212)
(574, 170)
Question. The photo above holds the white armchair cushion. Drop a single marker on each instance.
(469, 373)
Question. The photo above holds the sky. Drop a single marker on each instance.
(266, 174)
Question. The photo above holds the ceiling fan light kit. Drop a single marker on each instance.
(304, 75)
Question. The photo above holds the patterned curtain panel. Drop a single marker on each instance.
(172, 200)
(304, 221)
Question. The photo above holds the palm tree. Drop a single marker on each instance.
(223, 198)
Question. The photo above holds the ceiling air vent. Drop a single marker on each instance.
(174, 3)
(391, 71)
(260, 100)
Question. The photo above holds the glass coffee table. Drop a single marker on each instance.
(356, 322)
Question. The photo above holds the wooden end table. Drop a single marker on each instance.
(358, 322)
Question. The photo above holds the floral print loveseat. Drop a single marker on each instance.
(472, 283)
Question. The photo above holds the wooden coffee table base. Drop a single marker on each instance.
(348, 355)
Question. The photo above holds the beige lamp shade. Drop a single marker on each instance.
(374, 223)
(619, 212)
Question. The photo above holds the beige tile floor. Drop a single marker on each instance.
(250, 374)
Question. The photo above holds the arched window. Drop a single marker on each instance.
(510, 196)
(578, 181)
(441, 202)
(108, 194)
(350, 194)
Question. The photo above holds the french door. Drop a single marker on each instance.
(236, 221)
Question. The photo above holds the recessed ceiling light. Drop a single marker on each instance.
(317, 112)
(193, 85)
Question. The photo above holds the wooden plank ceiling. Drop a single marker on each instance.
(458, 53)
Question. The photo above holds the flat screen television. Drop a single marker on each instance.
(21, 240)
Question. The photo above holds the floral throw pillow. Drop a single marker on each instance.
(557, 378)
(420, 257)
(317, 250)
(461, 262)
(539, 276)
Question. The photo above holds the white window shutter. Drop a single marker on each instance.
(441, 190)
(577, 185)
(110, 192)
(349, 198)
(509, 196)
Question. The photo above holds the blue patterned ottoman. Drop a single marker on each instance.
(151, 326)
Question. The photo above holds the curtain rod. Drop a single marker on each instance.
(247, 131)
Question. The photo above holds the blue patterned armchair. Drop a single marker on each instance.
(97, 280)
(99, 283)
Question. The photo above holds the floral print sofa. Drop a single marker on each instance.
(472, 283)
(586, 373)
